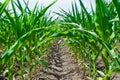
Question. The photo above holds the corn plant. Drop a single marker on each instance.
(98, 33)
(26, 37)
(22, 35)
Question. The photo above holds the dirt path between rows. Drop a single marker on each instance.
(61, 66)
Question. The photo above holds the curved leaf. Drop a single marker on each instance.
(17, 45)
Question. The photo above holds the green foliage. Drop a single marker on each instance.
(117, 4)
(90, 36)
(22, 36)
(3, 6)
(97, 32)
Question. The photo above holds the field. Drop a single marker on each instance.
(78, 45)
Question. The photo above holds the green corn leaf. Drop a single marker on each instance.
(19, 5)
(3, 40)
(26, 7)
(91, 27)
(33, 12)
(10, 17)
(16, 46)
(17, 25)
(3, 6)
(44, 62)
(114, 71)
(43, 12)
(103, 27)
(76, 13)
(111, 9)
(117, 5)
(73, 9)
(93, 13)
(39, 61)
(86, 12)
(92, 34)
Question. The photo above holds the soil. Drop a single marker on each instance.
(62, 66)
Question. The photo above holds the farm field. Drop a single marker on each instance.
(77, 45)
